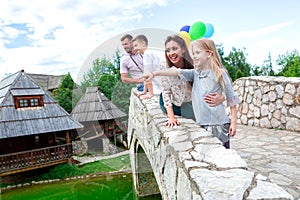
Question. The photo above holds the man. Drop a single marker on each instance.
(131, 64)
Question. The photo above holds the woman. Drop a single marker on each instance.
(175, 98)
(209, 75)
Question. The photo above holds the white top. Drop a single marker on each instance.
(205, 83)
(151, 62)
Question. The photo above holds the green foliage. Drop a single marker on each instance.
(236, 64)
(64, 170)
(64, 93)
(92, 77)
(117, 61)
(265, 70)
(267, 67)
(290, 64)
(121, 96)
(106, 84)
(104, 74)
(60, 172)
(255, 70)
(238, 74)
(220, 50)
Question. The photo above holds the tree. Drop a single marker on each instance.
(121, 96)
(107, 84)
(236, 61)
(220, 50)
(91, 78)
(116, 63)
(267, 67)
(64, 93)
(290, 64)
(255, 70)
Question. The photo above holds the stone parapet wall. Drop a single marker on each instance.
(188, 163)
(269, 102)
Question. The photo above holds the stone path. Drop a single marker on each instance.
(87, 159)
(272, 153)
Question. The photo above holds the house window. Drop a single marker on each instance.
(23, 103)
(33, 101)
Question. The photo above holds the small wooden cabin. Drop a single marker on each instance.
(98, 114)
(35, 131)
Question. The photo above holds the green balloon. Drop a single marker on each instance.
(197, 30)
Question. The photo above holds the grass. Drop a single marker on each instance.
(107, 165)
(66, 171)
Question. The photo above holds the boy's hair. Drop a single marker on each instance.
(141, 38)
(128, 36)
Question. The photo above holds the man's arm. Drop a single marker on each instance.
(126, 79)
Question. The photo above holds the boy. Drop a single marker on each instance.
(151, 62)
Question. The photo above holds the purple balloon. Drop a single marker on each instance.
(185, 28)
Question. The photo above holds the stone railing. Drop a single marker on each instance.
(186, 162)
(269, 102)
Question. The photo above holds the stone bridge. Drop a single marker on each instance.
(186, 162)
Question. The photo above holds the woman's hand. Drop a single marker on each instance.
(214, 99)
(172, 122)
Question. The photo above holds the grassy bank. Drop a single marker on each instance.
(66, 171)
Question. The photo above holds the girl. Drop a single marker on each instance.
(209, 76)
(175, 98)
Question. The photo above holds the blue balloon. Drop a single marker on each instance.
(185, 28)
(209, 30)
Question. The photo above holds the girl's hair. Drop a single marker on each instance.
(215, 60)
(187, 59)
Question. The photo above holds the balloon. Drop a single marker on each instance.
(209, 30)
(197, 30)
(185, 28)
(186, 37)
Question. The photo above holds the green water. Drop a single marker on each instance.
(116, 187)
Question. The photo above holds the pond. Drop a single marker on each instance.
(108, 187)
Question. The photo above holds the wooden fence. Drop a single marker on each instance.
(33, 159)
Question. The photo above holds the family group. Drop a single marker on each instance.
(191, 82)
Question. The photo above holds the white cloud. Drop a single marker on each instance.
(260, 42)
(258, 32)
(83, 25)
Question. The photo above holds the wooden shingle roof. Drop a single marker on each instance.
(94, 106)
(31, 120)
(47, 82)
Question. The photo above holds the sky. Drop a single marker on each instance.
(56, 37)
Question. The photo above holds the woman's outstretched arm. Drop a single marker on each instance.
(164, 72)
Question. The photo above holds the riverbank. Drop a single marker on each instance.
(93, 158)
(87, 167)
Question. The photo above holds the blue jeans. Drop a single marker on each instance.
(140, 87)
(185, 110)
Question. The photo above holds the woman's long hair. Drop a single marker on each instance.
(215, 61)
(187, 59)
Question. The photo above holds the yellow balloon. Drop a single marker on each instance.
(186, 37)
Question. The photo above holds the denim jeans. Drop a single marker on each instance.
(185, 110)
(140, 87)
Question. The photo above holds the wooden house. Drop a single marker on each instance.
(98, 115)
(47, 82)
(35, 131)
(51, 82)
